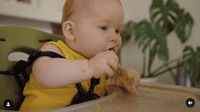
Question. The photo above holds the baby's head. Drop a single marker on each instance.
(92, 26)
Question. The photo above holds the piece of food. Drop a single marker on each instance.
(126, 79)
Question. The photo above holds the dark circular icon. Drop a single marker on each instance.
(190, 102)
(8, 104)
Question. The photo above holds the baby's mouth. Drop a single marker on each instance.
(113, 49)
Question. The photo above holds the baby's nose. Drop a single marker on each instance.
(116, 40)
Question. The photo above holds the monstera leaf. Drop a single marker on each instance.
(164, 14)
(191, 59)
(183, 27)
(172, 18)
(153, 38)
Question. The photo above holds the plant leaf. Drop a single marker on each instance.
(191, 60)
(147, 36)
(127, 32)
(164, 14)
(183, 27)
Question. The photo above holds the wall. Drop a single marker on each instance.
(37, 14)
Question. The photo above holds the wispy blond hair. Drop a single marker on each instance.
(67, 10)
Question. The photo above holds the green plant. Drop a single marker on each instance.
(151, 36)
(191, 62)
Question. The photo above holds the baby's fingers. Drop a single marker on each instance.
(130, 87)
(133, 89)
(113, 64)
(109, 71)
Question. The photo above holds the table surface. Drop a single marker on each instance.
(152, 98)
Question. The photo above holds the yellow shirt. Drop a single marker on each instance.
(38, 97)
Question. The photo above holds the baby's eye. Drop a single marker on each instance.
(104, 28)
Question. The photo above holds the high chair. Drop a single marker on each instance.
(17, 39)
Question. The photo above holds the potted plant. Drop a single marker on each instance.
(151, 36)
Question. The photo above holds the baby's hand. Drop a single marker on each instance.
(105, 62)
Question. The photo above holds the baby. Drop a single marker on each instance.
(91, 30)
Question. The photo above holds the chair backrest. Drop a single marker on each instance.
(13, 39)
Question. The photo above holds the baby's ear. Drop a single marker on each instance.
(67, 28)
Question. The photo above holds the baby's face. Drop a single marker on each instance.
(98, 26)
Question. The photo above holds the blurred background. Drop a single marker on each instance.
(45, 15)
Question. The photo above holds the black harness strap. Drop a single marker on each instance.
(82, 95)
(22, 77)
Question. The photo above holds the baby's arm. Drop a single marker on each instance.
(58, 72)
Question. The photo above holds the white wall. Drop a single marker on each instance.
(38, 14)
(137, 10)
